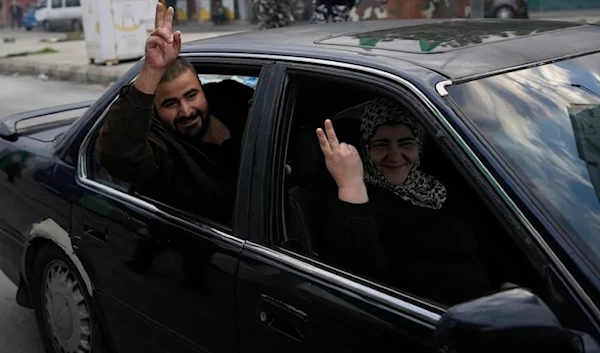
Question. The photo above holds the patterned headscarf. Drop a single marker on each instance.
(419, 188)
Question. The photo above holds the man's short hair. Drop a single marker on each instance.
(178, 68)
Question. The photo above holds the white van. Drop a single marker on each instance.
(52, 14)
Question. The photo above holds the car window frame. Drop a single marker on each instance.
(230, 234)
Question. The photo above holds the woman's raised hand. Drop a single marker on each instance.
(342, 160)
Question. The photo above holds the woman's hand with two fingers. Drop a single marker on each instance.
(344, 164)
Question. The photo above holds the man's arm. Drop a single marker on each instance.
(123, 146)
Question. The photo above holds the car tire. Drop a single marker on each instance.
(28, 28)
(64, 310)
(505, 12)
(47, 26)
(76, 26)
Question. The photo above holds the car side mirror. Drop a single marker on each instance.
(512, 321)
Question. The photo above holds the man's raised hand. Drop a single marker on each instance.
(163, 46)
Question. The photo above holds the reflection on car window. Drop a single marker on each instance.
(443, 36)
(545, 122)
(247, 80)
(586, 127)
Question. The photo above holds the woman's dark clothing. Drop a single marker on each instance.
(430, 253)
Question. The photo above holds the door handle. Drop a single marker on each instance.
(94, 229)
(282, 318)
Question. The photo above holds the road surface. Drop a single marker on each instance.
(18, 332)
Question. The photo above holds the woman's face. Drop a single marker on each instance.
(394, 151)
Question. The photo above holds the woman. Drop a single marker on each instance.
(392, 222)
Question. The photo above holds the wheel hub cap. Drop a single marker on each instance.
(66, 310)
(504, 13)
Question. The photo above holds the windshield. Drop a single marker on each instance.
(545, 123)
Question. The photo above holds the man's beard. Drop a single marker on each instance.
(197, 130)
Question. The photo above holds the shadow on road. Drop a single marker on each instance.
(19, 333)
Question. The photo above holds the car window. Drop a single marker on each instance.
(544, 122)
(57, 4)
(392, 231)
(219, 103)
(98, 174)
(72, 3)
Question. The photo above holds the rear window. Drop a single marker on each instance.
(545, 123)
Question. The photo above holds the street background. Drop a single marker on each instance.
(40, 69)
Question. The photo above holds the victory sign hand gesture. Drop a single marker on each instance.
(342, 159)
(163, 46)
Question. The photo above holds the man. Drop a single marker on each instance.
(175, 140)
(339, 10)
(16, 13)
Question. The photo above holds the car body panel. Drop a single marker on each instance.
(47, 118)
(30, 191)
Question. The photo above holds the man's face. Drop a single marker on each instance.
(182, 106)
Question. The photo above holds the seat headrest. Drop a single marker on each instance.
(309, 163)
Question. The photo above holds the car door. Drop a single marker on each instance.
(287, 302)
(165, 280)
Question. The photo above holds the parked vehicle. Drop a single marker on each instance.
(510, 119)
(506, 9)
(54, 14)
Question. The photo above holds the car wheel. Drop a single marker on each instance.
(505, 12)
(63, 308)
(28, 28)
(76, 26)
(47, 26)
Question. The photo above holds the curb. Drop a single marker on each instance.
(72, 73)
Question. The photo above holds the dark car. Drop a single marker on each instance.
(506, 9)
(512, 123)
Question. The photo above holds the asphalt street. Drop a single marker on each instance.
(18, 332)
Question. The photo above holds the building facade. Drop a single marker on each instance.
(5, 15)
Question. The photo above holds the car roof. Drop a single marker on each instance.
(455, 48)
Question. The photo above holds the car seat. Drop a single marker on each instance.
(306, 201)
